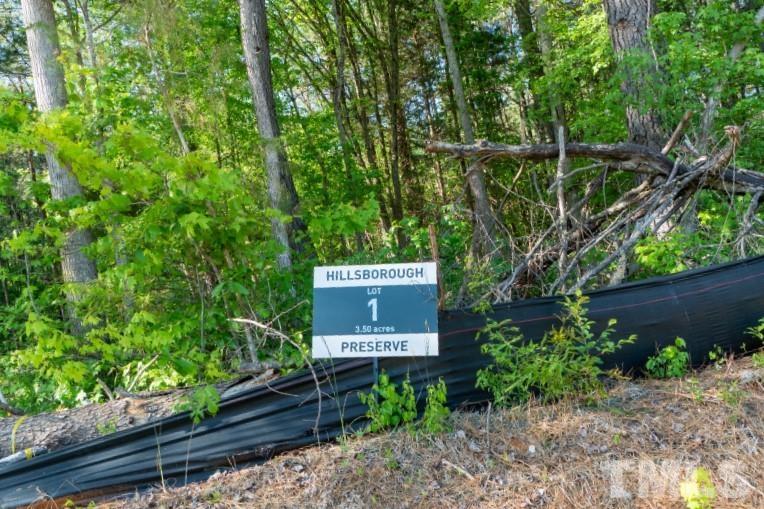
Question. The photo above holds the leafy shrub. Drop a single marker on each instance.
(389, 408)
(435, 412)
(671, 361)
(565, 361)
(698, 492)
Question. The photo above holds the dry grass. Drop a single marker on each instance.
(564, 455)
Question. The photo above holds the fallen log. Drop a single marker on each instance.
(54, 430)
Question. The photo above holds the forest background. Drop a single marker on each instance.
(146, 205)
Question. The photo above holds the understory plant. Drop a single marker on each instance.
(436, 412)
(387, 407)
(390, 407)
(698, 492)
(565, 361)
(671, 361)
(757, 331)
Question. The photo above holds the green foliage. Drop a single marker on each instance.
(718, 356)
(107, 427)
(183, 241)
(201, 403)
(732, 394)
(435, 418)
(388, 408)
(698, 492)
(564, 362)
(757, 331)
(671, 361)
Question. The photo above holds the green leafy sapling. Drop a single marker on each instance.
(388, 408)
(671, 361)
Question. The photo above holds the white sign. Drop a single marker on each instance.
(375, 310)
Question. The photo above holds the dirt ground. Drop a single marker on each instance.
(631, 449)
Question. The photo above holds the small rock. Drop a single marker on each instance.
(531, 450)
(748, 376)
(298, 468)
(677, 427)
(460, 434)
(634, 391)
(473, 446)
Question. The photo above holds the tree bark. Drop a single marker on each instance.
(50, 94)
(628, 21)
(281, 190)
(485, 225)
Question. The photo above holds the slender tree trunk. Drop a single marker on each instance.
(281, 189)
(628, 21)
(532, 62)
(50, 94)
(545, 45)
(165, 91)
(485, 226)
(392, 81)
(338, 97)
(363, 120)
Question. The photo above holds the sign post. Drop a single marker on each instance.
(375, 311)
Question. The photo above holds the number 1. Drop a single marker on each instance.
(373, 305)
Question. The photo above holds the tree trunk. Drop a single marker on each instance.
(54, 430)
(628, 21)
(281, 189)
(532, 62)
(50, 94)
(392, 83)
(485, 226)
(545, 45)
(59, 429)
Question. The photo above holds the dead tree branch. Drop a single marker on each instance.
(667, 187)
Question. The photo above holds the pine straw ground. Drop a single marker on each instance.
(632, 449)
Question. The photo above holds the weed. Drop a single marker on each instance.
(758, 359)
(201, 403)
(698, 492)
(671, 361)
(435, 419)
(732, 394)
(757, 331)
(717, 356)
(565, 361)
(390, 461)
(387, 408)
(695, 389)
